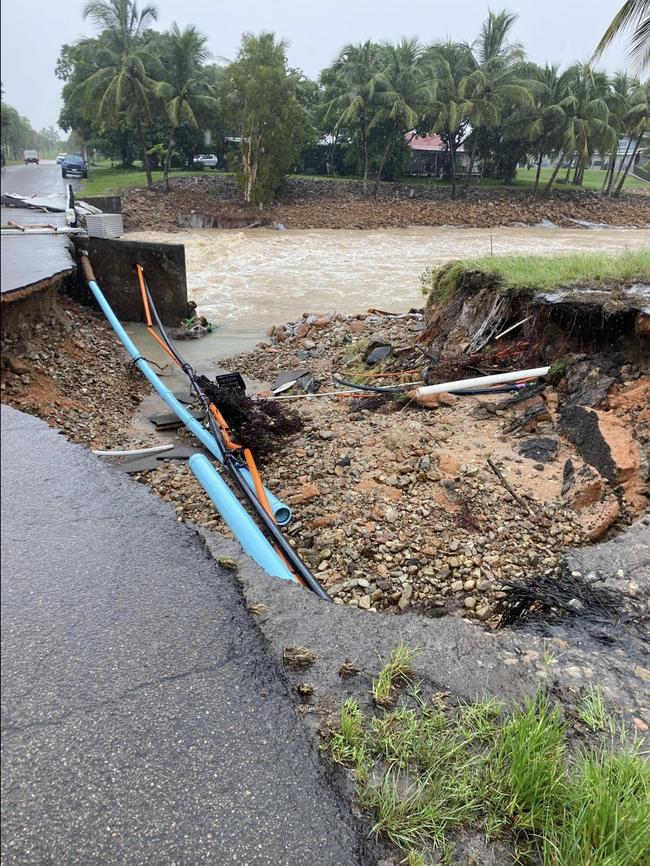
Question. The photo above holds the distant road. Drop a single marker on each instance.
(36, 179)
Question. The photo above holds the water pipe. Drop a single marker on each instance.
(481, 381)
(282, 512)
(241, 524)
(136, 452)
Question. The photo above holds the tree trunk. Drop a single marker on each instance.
(381, 166)
(145, 156)
(452, 154)
(568, 171)
(549, 185)
(629, 165)
(610, 173)
(627, 150)
(539, 169)
(168, 159)
(364, 142)
(471, 165)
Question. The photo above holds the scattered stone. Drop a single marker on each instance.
(376, 352)
(305, 691)
(541, 449)
(228, 563)
(348, 669)
(297, 657)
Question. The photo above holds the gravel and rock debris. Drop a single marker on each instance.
(395, 507)
(215, 201)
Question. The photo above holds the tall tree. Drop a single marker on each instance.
(185, 88)
(357, 72)
(495, 83)
(542, 123)
(123, 82)
(446, 66)
(399, 95)
(621, 88)
(637, 125)
(262, 105)
(587, 121)
(633, 15)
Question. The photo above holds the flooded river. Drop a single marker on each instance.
(247, 280)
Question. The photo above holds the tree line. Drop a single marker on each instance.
(134, 92)
(18, 134)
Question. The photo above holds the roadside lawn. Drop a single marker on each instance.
(103, 180)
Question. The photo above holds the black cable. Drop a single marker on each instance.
(234, 467)
(378, 389)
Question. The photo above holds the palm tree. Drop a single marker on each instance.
(446, 66)
(123, 83)
(543, 122)
(357, 70)
(587, 120)
(399, 91)
(618, 102)
(633, 14)
(184, 90)
(495, 82)
(637, 125)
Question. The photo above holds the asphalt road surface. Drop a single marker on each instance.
(144, 722)
(42, 179)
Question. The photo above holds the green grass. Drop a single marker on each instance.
(396, 671)
(426, 772)
(593, 179)
(103, 179)
(592, 712)
(525, 180)
(548, 272)
(538, 273)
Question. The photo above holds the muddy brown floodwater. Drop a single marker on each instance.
(247, 280)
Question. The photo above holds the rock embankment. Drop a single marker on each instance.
(317, 204)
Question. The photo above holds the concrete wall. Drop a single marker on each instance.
(106, 203)
(114, 264)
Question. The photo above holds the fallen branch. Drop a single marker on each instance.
(507, 486)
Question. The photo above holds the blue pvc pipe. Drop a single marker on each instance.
(281, 511)
(242, 525)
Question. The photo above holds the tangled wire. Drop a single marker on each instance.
(258, 424)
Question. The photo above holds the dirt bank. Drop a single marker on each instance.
(71, 370)
(215, 201)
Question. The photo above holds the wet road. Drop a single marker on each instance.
(143, 721)
(43, 179)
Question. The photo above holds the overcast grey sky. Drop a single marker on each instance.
(560, 31)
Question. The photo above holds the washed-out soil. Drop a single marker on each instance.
(70, 369)
(321, 204)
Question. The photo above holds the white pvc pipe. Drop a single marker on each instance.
(136, 452)
(480, 381)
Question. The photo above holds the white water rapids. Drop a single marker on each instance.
(245, 281)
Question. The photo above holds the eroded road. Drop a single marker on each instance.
(143, 720)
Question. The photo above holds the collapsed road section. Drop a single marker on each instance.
(143, 720)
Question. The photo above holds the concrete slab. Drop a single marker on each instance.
(30, 260)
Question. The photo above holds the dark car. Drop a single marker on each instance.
(74, 164)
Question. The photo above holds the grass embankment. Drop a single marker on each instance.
(427, 771)
(540, 273)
